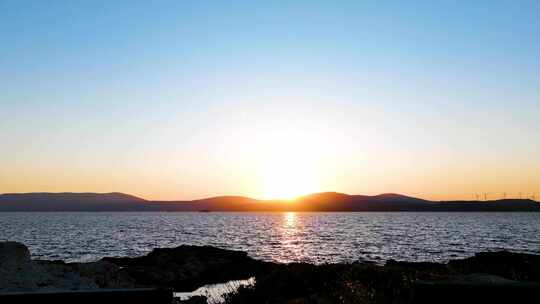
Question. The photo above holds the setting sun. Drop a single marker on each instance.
(291, 172)
(286, 180)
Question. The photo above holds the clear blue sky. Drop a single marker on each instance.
(186, 99)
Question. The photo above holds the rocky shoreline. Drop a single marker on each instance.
(185, 268)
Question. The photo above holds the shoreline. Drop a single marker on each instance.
(186, 268)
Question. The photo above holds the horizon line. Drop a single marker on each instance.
(532, 198)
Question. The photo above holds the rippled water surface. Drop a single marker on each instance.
(283, 237)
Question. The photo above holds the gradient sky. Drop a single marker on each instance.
(189, 99)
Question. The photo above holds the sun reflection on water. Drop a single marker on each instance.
(290, 220)
(291, 235)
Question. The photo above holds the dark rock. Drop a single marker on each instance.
(435, 268)
(509, 265)
(19, 273)
(131, 296)
(185, 268)
(474, 288)
(104, 274)
(14, 256)
(478, 278)
(489, 276)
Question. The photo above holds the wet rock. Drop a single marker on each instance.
(185, 268)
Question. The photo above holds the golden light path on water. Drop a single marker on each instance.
(290, 219)
(292, 236)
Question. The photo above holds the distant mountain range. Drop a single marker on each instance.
(326, 201)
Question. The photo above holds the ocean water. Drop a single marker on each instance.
(282, 237)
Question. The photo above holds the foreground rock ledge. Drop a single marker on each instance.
(185, 268)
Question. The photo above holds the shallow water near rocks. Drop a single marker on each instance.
(280, 236)
(214, 292)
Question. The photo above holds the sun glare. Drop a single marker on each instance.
(288, 175)
(286, 184)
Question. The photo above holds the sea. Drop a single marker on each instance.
(317, 237)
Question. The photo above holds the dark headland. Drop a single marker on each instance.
(326, 201)
(489, 277)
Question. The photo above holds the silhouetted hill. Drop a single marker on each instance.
(397, 198)
(68, 201)
(325, 201)
(218, 203)
(326, 197)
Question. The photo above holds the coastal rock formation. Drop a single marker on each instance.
(19, 273)
(185, 268)
(509, 265)
(489, 276)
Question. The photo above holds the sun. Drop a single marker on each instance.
(287, 176)
(291, 162)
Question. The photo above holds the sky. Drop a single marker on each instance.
(270, 99)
